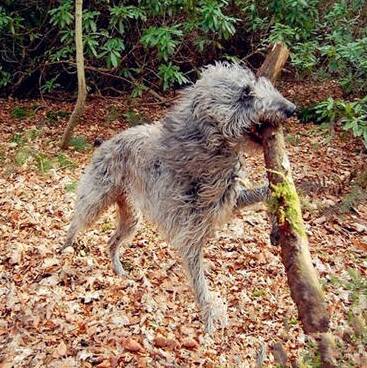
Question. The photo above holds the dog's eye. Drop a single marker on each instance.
(246, 93)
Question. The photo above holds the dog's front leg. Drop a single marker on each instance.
(212, 308)
(248, 197)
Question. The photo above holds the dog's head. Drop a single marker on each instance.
(238, 102)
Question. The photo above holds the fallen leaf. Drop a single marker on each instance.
(190, 344)
(50, 281)
(162, 342)
(90, 296)
(360, 243)
(60, 350)
(131, 345)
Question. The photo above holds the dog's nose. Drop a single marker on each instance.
(289, 110)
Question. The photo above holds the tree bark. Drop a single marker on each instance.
(82, 89)
(291, 234)
(274, 62)
(288, 227)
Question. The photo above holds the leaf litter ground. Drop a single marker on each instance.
(70, 310)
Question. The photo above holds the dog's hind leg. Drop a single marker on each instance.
(213, 309)
(127, 224)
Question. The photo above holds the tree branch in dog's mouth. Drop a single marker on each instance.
(257, 130)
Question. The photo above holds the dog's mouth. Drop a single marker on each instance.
(255, 133)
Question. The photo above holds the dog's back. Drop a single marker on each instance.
(116, 168)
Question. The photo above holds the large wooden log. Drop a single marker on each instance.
(288, 224)
(274, 62)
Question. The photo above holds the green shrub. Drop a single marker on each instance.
(79, 143)
(162, 42)
(113, 113)
(44, 163)
(352, 115)
(55, 116)
(170, 75)
(27, 136)
(134, 118)
(164, 39)
(50, 85)
(32, 134)
(18, 139)
(25, 152)
(64, 161)
(19, 112)
(71, 187)
(22, 155)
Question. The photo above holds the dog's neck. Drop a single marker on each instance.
(196, 147)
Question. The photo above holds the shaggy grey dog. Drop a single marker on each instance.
(183, 173)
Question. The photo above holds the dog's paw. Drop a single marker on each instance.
(118, 269)
(64, 247)
(215, 315)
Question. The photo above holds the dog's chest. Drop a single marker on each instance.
(216, 188)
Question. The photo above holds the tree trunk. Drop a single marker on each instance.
(82, 90)
(291, 235)
(288, 226)
(274, 62)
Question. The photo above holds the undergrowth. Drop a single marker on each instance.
(25, 153)
(326, 40)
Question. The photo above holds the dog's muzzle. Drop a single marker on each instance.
(288, 110)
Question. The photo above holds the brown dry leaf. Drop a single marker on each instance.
(131, 345)
(142, 363)
(162, 342)
(190, 344)
(16, 254)
(261, 257)
(60, 350)
(6, 364)
(360, 243)
(105, 364)
(64, 363)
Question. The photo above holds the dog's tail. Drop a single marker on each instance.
(95, 195)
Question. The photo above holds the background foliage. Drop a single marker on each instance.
(159, 44)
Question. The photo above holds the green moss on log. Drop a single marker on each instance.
(284, 204)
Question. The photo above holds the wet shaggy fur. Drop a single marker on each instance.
(183, 172)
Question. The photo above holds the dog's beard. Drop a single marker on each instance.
(255, 133)
(272, 119)
(251, 143)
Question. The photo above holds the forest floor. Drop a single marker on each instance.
(70, 310)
